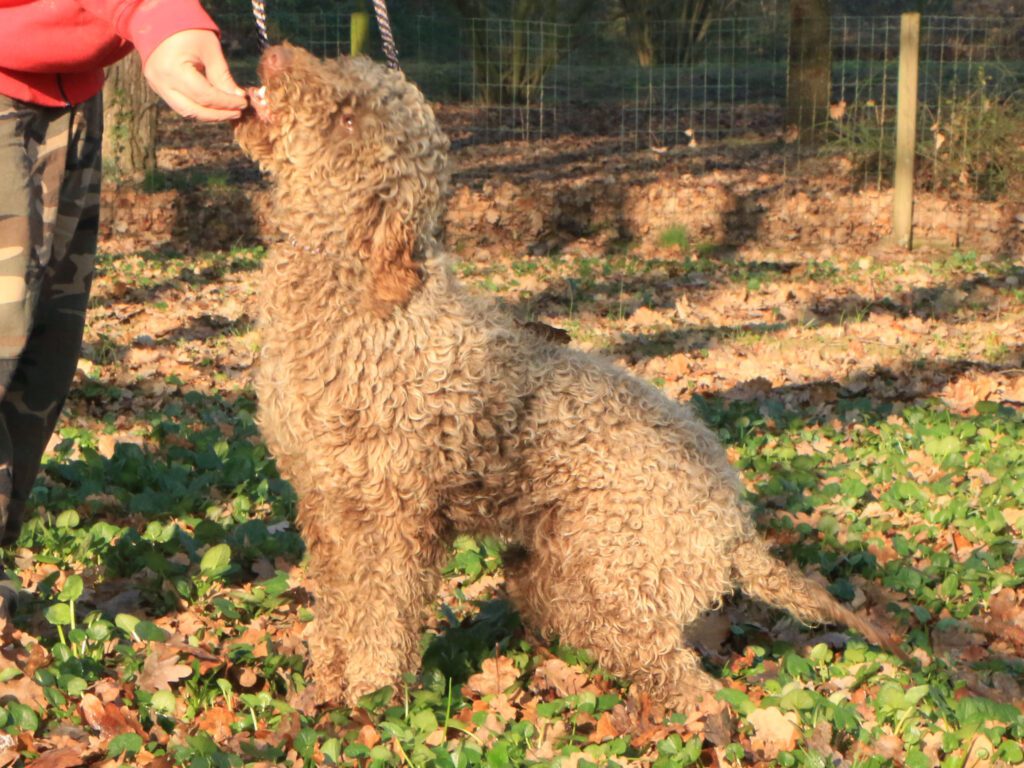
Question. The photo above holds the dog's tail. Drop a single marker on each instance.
(765, 578)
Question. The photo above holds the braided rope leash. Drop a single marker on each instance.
(387, 37)
(380, 9)
(260, 12)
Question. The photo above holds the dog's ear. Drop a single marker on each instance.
(394, 275)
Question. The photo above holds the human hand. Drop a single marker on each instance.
(188, 71)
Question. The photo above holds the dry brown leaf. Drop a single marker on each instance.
(820, 739)
(922, 467)
(549, 733)
(556, 675)
(485, 584)
(106, 718)
(645, 317)
(754, 389)
(38, 657)
(247, 678)
(1014, 518)
(25, 690)
(495, 676)
(710, 632)
(889, 746)
(107, 689)
(605, 730)
(573, 760)
(968, 390)
(774, 731)
(217, 722)
(368, 736)
(436, 737)
(716, 724)
(501, 705)
(161, 668)
(492, 727)
(1006, 606)
(66, 757)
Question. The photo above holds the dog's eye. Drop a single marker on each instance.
(347, 120)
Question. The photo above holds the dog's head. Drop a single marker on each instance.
(364, 143)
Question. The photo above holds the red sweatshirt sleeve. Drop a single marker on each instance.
(147, 23)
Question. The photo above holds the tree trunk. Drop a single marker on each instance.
(668, 31)
(810, 68)
(512, 56)
(638, 30)
(129, 119)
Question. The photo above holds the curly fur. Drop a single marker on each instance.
(406, 410)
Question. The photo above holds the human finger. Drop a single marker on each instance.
(186, 106)
(219, 75)
(194, 85)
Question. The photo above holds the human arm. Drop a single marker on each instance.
(181, 54)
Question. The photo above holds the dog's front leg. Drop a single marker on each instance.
(371, 579)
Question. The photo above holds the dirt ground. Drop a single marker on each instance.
(720, 268)
(751, 278)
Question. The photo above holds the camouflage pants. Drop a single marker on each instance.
(49, 212)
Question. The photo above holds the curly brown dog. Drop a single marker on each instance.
(405, 410)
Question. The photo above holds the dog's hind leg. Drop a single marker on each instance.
(628, 627)
(371, 582)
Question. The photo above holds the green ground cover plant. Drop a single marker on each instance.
(880, 440)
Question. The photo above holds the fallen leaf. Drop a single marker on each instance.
(66, 757)
(605, 730)
(573, 760)
(368, 736)
(217, 722)
(107, 718)
(887, 745)
(717, 726)
(24, 690)
(495, 675)
(107, 689)
(774, 731)
(38, 657)
(437, 737)
(710, 632)
(161, 668)
(501, 705)
(1014, 518)
(549, 733)
(554, 674)
(247, 679)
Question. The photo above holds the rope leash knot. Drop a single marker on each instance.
(380, 10)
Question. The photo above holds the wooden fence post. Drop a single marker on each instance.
(359, 32)
(906, 130)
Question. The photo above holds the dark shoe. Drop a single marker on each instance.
(12, 512)
(9, 589)
(5, 497)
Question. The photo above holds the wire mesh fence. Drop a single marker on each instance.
(325, 33)
(519, 75)
(728, 80)
(971, 75)
(499, 79)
